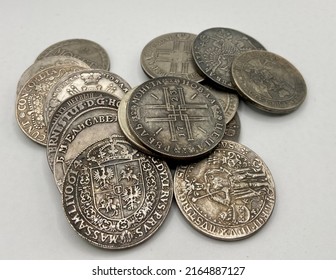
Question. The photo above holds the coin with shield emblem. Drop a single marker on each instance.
(114, 196)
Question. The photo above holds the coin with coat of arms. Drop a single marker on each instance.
(228, 196)
(114, 196)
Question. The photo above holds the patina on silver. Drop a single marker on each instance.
(170, 55)
(116, 197)
(214, 50)
(232, 129)
(268, 82)
(175, 117)
(88, 51)
(228, 196)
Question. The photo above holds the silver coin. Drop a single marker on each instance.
(115, 197)
(46, 63)
(232, 129)
(170, 55)
(88, 51)
(86, 80)
(269, 82)
(228, 196)
(214, 50)
(30, 102)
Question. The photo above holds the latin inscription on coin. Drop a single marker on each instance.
(214, 50)
(228, 196)
(170, 55)
(175, 117)
(269, 82)
(116, 197)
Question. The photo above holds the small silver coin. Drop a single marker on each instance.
(116, 197)
(170, 55)
(268, 82)
(232, 130)
(88, 51)
(228, 196)
(214, 50)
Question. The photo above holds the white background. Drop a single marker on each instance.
(299, 148)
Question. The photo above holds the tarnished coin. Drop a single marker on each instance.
(232, 129)
(228, 100)
(90, 52)
(228, 196)
(122, 119)
(30, 102)
(114, 196)
(46, 63)
(269, 82)
(170, 55)
(86, 80)
(175, 117)
(214, 50)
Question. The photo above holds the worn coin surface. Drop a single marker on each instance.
(116, 197)
(214, 50)
(175, 117)
(269, 82)
(88, 51)
(86, 80)
(122, 119)
(228, 196)
(170, 55)
(232, 129)
(30, 102)
(47, 62)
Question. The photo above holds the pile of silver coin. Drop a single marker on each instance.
(119, 154)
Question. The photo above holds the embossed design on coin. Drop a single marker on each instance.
(30, 103)
(175, 117)
(228, 196)
(214, 50)
(269, 82)
(88, 51)
(170, 55)
(232, 130)
(86, 80)
(116, 197)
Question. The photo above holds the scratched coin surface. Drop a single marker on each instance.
(175, 117)
(228, 196)
(269, 82)
(47, 62)
(214, 50)
(232, 129)
(170, 55)
(88, 51)
(85, 80)
(116, 197)
(30, 102)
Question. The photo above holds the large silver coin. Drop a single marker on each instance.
(214, 50)
(175, 117)
(170, 55)
(86, 80)
(30, 102)
(115, 197)
(228, 196)
(269, 82)
(46, 63)
(232, 130)
(90, 52)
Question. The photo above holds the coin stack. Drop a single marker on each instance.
(108, 144)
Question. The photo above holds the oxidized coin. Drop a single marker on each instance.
(115, 197)
(269, 82)
(86, 80)
(214, 50)
(90, 52)
(232, 129)
(175, 117)
(46, 63)
(228, 100)
(228, 196)
(170, 55)
(30, 102)
(125, 128)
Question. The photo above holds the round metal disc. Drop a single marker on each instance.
(232, 130)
